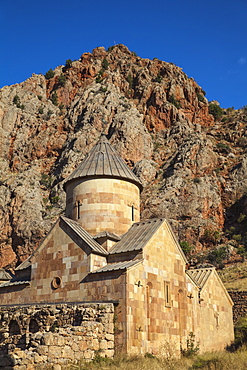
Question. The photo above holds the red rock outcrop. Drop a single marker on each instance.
(193, 168)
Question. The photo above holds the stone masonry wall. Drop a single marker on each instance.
(33, 337)
(240, 304)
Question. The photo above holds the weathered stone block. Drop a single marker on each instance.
(109, 353)
(54, 351)
(82, 345)
(66, 352)
(103, 344)
(75, 347)
(110, 344)
(88, 355)
(109, 337)
(47, 339)
(57, 367)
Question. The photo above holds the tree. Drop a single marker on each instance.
(49, 74)
(215, 110)
(61, 79)
(54, 98)
(187, 248)
(105, 64)
(68, 63)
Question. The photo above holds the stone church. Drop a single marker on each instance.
(100, 251)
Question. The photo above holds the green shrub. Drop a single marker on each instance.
(223, 146)
(241, 331)
(241, 218)
(211, 236)
(54, 199)
(49, 74)
(187, 248)
(68, 63)
(110, 48)
(218, 255)
(215, 110)
(99, 76)
(17, 102)
(192, 348)
(130, 80)
(105, 64)
(41, 110)
(39, 97)
(54, 98)
(46, 180)
(237, 237)
(241, 251)
(49, 113)
(174, 101)
(200, 97)
(158, 78)
(61, 80)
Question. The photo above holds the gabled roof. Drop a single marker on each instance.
(80, 236)
(117, 266)
(24, 265)
(200, 276)
(74, 230)
(137, 236)
(4, 275)
(108, 235)
(103, 161)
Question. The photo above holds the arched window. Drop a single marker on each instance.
(14, 328)
(33, 326)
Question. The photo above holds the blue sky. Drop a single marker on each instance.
(208, 39)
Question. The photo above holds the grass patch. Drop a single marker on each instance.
(235, 277)
(208, 361)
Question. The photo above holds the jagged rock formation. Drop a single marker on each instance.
(193, 168)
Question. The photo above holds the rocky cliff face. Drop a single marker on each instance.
(193, 168)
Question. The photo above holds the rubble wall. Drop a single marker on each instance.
(32, 337)
(240, 304)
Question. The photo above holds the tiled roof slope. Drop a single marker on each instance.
(25, 264)
(104, 161)
(200, 276)
(4, 275)
(117, 266)
(137, 236)
(23, 281)
(83, 237)
(107, 234)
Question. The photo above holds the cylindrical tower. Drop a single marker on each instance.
(103, 194)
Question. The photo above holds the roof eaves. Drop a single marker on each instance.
(82, 236)
(126, 265)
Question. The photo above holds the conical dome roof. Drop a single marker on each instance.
(103, 161)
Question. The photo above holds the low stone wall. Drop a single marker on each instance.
(240, 304)
(33, 337)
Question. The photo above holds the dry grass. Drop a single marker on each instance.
(235, 277)
(209, 361)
